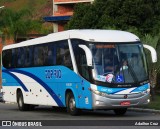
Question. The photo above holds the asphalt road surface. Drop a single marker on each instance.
(11, 112)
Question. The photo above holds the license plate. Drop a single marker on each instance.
(125, 103)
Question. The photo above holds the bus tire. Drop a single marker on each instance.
(120, 111)
(71, 104)
(21, 105)
(31, 107)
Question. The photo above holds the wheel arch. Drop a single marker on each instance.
(74, 94)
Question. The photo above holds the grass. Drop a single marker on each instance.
(154, 104)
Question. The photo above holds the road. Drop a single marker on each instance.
(11, 112)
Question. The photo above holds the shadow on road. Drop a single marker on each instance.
(49, 112)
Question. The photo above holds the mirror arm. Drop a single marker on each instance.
(88, 54)
(153, 52)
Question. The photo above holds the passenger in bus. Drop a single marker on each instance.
(45, 55)
(108, 65)
(125, 72)
(50, 58)
(67, 60)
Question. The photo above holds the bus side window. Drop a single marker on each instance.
(7, 58)
(39, 55)
(49, 55)
(14, 58)
(21, 57)
(28, 56)
(63, 54)
(35, 56)
(59, 53)
(44, 55)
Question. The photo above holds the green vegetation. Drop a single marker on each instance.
(17, 5)
(14, 24)
(141, 16)
(21, 17)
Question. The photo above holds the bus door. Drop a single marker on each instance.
(84, 95)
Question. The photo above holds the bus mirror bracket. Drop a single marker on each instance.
(88, 54)
(153, 52)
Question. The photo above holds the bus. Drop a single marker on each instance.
(79, 70)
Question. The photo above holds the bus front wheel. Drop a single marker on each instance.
(120, 111)
(21, 105)
(71, 104)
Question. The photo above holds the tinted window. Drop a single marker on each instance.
(48, 54)
(28, 56)
(21, 57)
(38, 55)
(63, 54)
(80, 57)
(14, 58)
(6, 58)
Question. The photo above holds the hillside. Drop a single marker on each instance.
(40, 8)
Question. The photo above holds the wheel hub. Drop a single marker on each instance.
(72, 104)
(20, 102)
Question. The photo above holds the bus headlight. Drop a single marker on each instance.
(146, 91)
(99, 93)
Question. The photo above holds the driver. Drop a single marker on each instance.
(124, 65)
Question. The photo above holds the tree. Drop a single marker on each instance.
(14, 24)
(143, 15)
(76, 22)
(154, 69)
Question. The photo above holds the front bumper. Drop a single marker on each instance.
(114, 101)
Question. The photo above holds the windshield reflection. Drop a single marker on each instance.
(122, 63)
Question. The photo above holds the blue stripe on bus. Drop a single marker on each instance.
(17, 79)
(110, 90)
(50, 91)
(122, 89)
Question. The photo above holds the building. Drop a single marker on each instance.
(62, 12)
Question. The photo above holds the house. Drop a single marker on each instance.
(62, 12)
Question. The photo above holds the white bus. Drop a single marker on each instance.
(78, 69)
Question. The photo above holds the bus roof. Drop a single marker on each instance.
(92, 35)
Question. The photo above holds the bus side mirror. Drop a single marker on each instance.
(88, 54)
(153, 52)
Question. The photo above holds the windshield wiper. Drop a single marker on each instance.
(132, 73)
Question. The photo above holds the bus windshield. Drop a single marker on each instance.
(119, 63)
